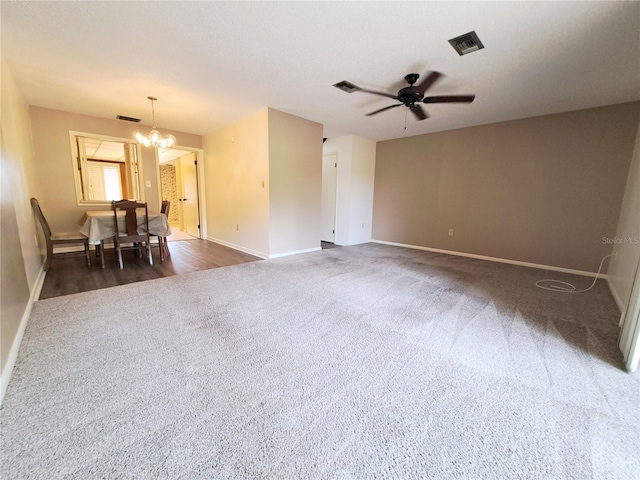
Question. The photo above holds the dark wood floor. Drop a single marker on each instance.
(69, 274)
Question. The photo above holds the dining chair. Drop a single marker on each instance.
(162, 241)
(131, 233)
(58, 238)
(163, 248)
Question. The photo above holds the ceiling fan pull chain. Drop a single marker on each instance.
(405, 118)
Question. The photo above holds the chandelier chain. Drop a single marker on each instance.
(154, 138)
(153, 111)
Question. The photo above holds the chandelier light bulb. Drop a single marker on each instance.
(155, 137)
(168, 141)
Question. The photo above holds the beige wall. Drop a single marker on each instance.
(295, 183)
(543, 190)
(20, 259)
(354, 195)
(53, 160)
(263, 177)
(622, 269)
(236, 165)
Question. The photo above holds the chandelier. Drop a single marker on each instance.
(154, 138)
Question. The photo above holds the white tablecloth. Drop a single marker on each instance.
(98, 225)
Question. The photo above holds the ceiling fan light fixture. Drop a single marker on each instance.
(154, 138)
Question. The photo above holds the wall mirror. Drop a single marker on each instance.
(105, 169)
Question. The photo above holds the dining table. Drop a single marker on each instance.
(98, 225)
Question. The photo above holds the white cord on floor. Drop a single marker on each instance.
(566, 287)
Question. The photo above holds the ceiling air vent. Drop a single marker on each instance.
(128, 119)
(467, 43)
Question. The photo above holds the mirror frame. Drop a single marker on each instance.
(75, 160)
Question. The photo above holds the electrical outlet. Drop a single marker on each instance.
(148, 183)
(451, 232)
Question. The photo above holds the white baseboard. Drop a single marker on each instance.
(15, 347)
(37, 287)
(614, 293)
(238, 247)
(266, 256)
(296, 252)
(497, 259)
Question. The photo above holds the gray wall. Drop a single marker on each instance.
(543, 190)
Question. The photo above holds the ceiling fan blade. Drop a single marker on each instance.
(349, 87)
(383, 109)
(384, 94)
(418, 111)
(450, 99)
(428, 81)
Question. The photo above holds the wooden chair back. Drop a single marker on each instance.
(43, 221)
(130, 219)
(58, 238)
(166, 205)
(130, 234)
(162, 241)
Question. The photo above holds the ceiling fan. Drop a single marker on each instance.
(410, 96)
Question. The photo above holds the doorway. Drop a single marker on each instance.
(180, 185)
(329, 191)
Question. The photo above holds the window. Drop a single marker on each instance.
(105, 169)
(104, 181)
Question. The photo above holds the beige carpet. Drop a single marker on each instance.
(356, 362)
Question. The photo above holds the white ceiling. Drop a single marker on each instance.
(213, 63)
(104, 150)
(115, 151)
(167, 155)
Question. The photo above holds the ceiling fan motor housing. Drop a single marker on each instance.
(409, 95)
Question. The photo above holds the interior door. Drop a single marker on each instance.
(190, 206)
(329, 190)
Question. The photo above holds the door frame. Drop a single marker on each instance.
(202, 213)
(630, 334)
